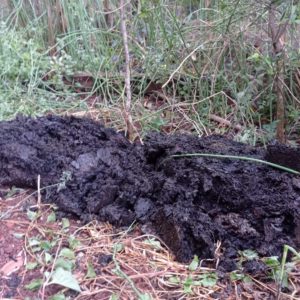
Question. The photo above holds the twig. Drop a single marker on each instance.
(223, 121)
(128, 117)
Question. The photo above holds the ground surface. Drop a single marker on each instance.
(92, 172)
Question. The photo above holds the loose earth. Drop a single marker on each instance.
(93, 172)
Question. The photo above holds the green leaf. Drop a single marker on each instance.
(174, 280)
(208, 279)
(187, 285)
(31, 265)
(48, 258)
(46, 245)
(32, 215)
(145, 297)
(19, 235)
(114, 297)
(153, 243)
(272, 261)
(65, 223)
(65, 264)
(235, 275)
(36, 249)
(119, 247)
(58, 297)
(65, 278)
(247, 279)
(34, 242)
(73, 242)
(67, 253)
(51, 218)
(90, 271)
(34, 284)
(194, 264)
(249, 254)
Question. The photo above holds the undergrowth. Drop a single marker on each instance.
(63, 259)
(58, 56)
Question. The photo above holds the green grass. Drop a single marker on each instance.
(208, 50)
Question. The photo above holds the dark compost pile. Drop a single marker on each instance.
(90, 171)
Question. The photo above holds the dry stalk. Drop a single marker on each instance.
(127, 108)
(277, 34)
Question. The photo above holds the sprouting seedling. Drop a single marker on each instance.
(286, 249)
(251, 159)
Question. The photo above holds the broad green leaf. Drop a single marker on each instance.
(90, 271)
(34, 284)
(65, 278)
(58, 297)
(51, 218)
(67, 253)
(194, 264)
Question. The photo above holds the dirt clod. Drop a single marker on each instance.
(90, 171)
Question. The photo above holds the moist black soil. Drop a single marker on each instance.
(93, 172)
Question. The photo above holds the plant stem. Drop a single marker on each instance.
(239, 158)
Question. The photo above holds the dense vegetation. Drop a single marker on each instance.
(196, 66)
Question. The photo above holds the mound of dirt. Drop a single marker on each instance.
(90, 171)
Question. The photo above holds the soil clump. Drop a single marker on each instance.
(93, 172)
